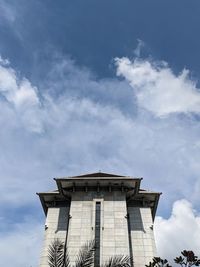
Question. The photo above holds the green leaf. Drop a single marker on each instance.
(56, 255)
(118, 261)
(85, 256)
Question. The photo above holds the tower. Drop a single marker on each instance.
(112, 209)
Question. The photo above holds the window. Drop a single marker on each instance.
(97, 234)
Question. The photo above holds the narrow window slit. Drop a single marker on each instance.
(97, 234)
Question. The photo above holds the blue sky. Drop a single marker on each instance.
(98, 85)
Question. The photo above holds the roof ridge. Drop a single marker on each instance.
(99, 174)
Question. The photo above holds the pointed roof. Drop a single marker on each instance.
(99, 174)
(99, 181)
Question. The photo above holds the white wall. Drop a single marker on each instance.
(56, 225)
(114, 227)
(142, 236)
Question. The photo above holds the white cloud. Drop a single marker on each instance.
(82, 125)
(158, 89)
(75, 132)
(19, 92)
(21, 95)
(181, 231)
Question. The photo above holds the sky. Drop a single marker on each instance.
(99, 85)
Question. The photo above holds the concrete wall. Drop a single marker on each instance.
(114, 232)
(56, 225)
(142, 236)
(114, 228)
(80, 225)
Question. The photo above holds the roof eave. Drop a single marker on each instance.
(155, 205)
(45, 209)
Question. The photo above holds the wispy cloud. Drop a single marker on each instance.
(7, 11)
(46, 134)
(81, 124)
(139, 47)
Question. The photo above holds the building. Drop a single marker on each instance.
(112, 209)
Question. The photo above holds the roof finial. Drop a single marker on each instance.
(100, 171)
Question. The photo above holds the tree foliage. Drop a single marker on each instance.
(58, 256)
(118, 261)
(187, 259)
(85, 257)
(158, 262)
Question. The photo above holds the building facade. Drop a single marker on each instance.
(109, 208)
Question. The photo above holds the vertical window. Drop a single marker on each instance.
(129, 237)
(97, 234)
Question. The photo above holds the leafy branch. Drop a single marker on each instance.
(187, 259)
(58, 256)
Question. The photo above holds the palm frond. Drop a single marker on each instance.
(57, 255)
(118, 261)
(85, 256)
